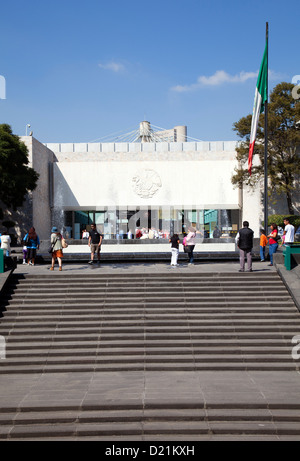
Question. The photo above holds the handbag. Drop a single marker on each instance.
(64, 243)
(186, 249)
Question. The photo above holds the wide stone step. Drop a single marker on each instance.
(148, 367)
(159, 333)
(205, 345)
(29, 316)
(48, 415)
(160, 287)
(158, 304)
(24, 350)
(124, 337)
(147, 320)
(140, 283)
(111, 312)
(147, 296)
(141, 357)
(152, 276)
(150, 297)
(138, 421)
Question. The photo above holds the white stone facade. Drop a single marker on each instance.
(92, 176)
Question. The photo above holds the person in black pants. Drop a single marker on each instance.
(95, 240)
(244, 241)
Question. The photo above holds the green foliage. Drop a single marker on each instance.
(283, 145)
(16, 177)
(278, 219)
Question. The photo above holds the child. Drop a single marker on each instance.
(263, 243)
(24, 254)
(175, 249)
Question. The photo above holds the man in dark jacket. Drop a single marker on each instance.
(244, 241)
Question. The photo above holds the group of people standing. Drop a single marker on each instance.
(189, 243)
(244, 241)
(31, 243)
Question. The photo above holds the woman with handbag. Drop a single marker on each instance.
(57, 248)
(273, 242)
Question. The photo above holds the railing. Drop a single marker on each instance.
(288, 251)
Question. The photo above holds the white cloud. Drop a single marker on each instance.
(218, 78)
(113, 66)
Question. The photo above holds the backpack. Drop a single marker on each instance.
(26, 240)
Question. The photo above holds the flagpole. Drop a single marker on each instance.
(266, 143)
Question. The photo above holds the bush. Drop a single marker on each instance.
(278, 219)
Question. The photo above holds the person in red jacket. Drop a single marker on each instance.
(273, 243)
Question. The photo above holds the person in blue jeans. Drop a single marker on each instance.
(273, 245)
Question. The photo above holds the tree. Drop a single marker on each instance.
(16, 177)
(283, 145)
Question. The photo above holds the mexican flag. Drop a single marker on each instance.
(261, 96)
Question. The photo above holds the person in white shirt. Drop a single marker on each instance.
(190, 243)
(5, 243)
(289, 231)
(85, 234)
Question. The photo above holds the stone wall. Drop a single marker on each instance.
(40, 215)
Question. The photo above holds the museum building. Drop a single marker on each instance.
(159, 181)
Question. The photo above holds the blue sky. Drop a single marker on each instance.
(79, 71)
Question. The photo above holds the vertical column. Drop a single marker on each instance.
(180, 133)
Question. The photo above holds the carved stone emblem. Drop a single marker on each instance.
(146, 183)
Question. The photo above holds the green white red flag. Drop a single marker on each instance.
(261, 96)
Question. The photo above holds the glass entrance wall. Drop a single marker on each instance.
(155, 222)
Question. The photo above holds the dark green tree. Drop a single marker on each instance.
(16, 177)
(283, 145)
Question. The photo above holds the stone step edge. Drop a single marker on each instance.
(96, 368)
(151, 406)
(116, 416)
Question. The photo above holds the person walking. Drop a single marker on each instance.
(174, 240)
(33, 244)
(95, 240)
(190, 244)
(262, 245)
(273, 242)
(57, 249)
(244, 241)
(289, 232)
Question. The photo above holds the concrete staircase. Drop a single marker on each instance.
(183, 323)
